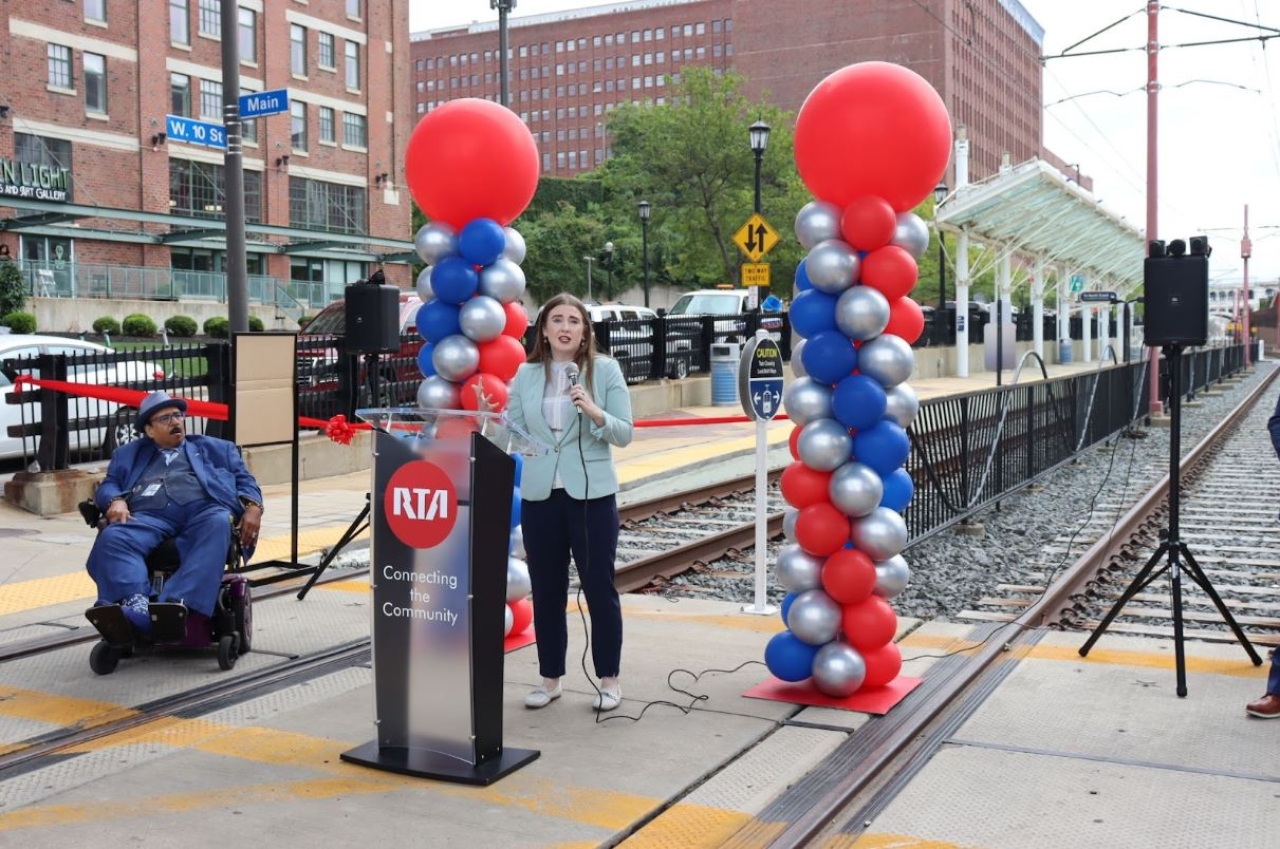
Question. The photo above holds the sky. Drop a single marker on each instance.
(1219, 114)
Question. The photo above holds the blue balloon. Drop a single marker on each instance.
(482, 241)
(829, 356)
(788, 658)
(802, 278)
(858, 401)
(786, 605)
(884, 446)
(424, 359)
(437, 319)
(898, 489)
(813, 312)
(515, 507)
(519, 458)
(454, 280)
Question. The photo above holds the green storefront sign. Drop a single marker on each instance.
(35, 182)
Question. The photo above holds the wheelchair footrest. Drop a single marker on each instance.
(168, 622)
(111, 624)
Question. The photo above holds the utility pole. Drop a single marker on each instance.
(233, 173)
(1246, 250)
(1153, 92)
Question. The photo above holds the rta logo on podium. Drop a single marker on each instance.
(420, 504)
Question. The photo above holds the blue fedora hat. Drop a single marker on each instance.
(154, 402)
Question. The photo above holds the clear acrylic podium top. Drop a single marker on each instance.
(423, 423)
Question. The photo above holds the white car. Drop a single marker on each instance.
(120, 429)
(731, 303)
(631, 341)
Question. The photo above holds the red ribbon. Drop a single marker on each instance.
(697, 420)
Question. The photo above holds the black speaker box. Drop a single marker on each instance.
(1175, 291)
(373, 319)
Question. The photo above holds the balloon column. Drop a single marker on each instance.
(871, 142)
(472, 168)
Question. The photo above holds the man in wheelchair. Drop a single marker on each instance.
(166, 485)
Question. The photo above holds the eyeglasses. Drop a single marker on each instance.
(168, 418)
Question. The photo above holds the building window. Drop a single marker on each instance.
(249, 128)
(325, 57)
(95, 83)
(59, 66)
(179, 22)
(95, 10)
(41, 150)
(210, 18)
(316, 205)
(298, 125)
(353, 65)
(298, 49)
(326, 125)
(248, 20)
(353, 8)
(354, 131)
(180, 99)
(211, 100)
(198, 189)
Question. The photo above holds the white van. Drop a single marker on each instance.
(631, 341)
(726, 302)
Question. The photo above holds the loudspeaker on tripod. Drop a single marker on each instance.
(373, 318)
(1175, 289)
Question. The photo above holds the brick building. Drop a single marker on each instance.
(105, 199)
(568, 69)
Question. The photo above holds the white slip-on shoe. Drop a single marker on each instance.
(540, 697)
(608, 699)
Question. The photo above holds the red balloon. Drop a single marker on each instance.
(869, 624)
(849, 576)
(891, 270)
(495, 391)
(794, 442)
(873, 128)
(517, 320)
(883, 665)
(821, 529)
(521, 616)
(868, 223)
(471, 158)
(501, 357)
(905, 320)
(802, 486)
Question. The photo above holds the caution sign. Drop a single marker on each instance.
(755, 274)
(756, 238)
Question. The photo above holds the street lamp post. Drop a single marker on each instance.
(759, 133)
(608, 286)
(504, 7)
(588, 260)
(939, 195)
(645, 209)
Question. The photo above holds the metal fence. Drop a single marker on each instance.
(686, 348)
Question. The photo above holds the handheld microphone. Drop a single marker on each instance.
(571, 372)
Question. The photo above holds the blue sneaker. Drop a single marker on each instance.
(135, 610)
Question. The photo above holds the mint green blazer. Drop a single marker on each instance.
(524, 408)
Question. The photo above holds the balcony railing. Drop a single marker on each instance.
(84, 280)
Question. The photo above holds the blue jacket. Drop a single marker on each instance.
(216, 462)
(524, 408)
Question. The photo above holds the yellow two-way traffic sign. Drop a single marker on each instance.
(756, 238)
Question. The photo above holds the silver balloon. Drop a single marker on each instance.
(855, 489)
(861, 313)
(911, 234)
(515, 249)
(436, 393)
(838, 670)
(425, 292)
(789, 517)
(880, 534)
(517, 542)
(805, 400)
(797, 570)
(518, 583)
(435, 241)
(509, 620)
(814, 617)
(901, 404)
(482, 319)
(887, 358)
(503, 281)
(455, 357)
(797, 347)
(832, 266)
(892, 576)
(816, 222)
(824, 445)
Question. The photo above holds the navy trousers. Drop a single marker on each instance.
(1273, 679)
(202, 532)
(554, 529)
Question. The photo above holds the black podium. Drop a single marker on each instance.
(441, 507)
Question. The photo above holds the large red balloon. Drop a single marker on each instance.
(891, 270)
(821, 529)
(495, 392)
(521, 616)
(869, 624)
(849, 576)
(906, 320)
(802, 486)
(883, 665)
(517, 320)
(501, 357)
(868, 223)
(873, 128)
(471, 158)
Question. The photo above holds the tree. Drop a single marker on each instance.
(12, 291)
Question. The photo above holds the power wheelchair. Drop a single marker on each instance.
(173, 626)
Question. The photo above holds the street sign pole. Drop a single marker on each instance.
(233, 203)
(760, 383)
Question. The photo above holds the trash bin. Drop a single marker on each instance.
(724, 373)
(1064, 351)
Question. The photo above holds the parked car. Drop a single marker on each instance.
(135, 372)
(631, 341)
(732, 303)
(319, 350)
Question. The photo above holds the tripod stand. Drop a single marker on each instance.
(1172, 545)
(357, 527)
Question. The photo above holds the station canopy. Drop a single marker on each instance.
(1034, 211)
